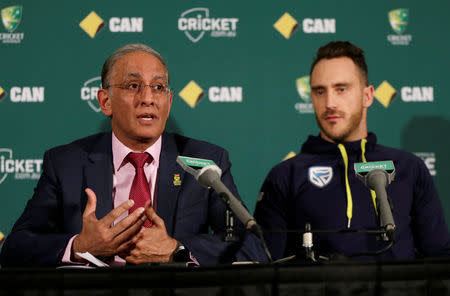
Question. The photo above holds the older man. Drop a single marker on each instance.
(121, 196)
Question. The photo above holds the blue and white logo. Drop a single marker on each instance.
(320, 176)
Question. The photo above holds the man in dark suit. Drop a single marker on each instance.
(83, 202)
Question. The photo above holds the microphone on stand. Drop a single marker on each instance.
(208, 174)
(377, 176)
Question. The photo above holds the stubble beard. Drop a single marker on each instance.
(340, 137)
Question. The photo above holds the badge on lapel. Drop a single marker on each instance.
(320, 176)
(176, 180)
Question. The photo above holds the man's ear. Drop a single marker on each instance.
(368, 96)
(104, 101)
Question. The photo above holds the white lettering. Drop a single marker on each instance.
(89, 93)
(182, 24)
(417, 94)
(15, 94)
(27, 94)
(319, 25)
(9, 166)
(38, 94)
(213, 94)
(38, 163)
(329, 26)
(137, 24)
(192, 24)
(114, 24)
(126, 24)
(225, 94)
(236, 94)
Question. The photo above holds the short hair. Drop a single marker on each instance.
(337, 49)
(129, 48)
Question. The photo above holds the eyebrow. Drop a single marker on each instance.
(138, 75)
(341, 84)
(338, 84)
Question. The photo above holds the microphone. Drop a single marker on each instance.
(377, 176)
(208, 175)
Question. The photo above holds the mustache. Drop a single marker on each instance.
(325, 114)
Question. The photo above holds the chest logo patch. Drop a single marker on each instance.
(320, 176)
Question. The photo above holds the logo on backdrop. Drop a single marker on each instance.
(2, 94)
(89, 92)
(429, 158)
(286, 25)
(398, 18)
(385, 93)
(24, 94)
(320, 176)
(304, 90)
(92, 24)
(196, 22)
(11, 18)
(23, 169)
(193, 93)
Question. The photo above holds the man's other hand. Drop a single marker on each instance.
(99, 237)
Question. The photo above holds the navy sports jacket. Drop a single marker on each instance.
(311, 188)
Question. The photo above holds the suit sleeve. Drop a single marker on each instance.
(211, 248)
(36, 237)
(429, 226)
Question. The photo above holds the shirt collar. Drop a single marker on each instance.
(120, 151)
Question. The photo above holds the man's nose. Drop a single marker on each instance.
(146, 95)
(331, 101)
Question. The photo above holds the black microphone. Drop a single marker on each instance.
(210, 178)
(208, 175)
(375, 176)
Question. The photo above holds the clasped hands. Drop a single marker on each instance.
(128, 238)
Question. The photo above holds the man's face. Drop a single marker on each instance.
(138, 118)
(340, 100)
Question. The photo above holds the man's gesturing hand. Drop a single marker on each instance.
(151, 244)
(98, 237)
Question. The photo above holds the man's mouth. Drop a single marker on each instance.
(147, 117)
(332, 117)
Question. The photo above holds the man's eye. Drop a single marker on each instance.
(319, 92)
(158, 87)
(341, 89)
(132, 85)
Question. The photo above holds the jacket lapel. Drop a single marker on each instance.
(167, 186)
(99, 174)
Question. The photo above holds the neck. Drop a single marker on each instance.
(138, 144)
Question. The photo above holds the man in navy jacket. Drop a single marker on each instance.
(75, 208)
(319, 186)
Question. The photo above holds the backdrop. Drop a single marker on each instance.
(239, 70)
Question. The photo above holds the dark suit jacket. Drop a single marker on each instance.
(190, 212)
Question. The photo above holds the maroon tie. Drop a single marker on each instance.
(140, 189)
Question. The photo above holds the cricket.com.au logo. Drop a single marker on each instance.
(196, 22)
(89, 93)
(11, 17)
(429, 158)
(304, 91)
(398, 18)
(22, 169)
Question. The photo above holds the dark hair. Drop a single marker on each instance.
(129, 48)
(337, 49)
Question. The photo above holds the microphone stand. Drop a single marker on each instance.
(307, 243)
(229, 226)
